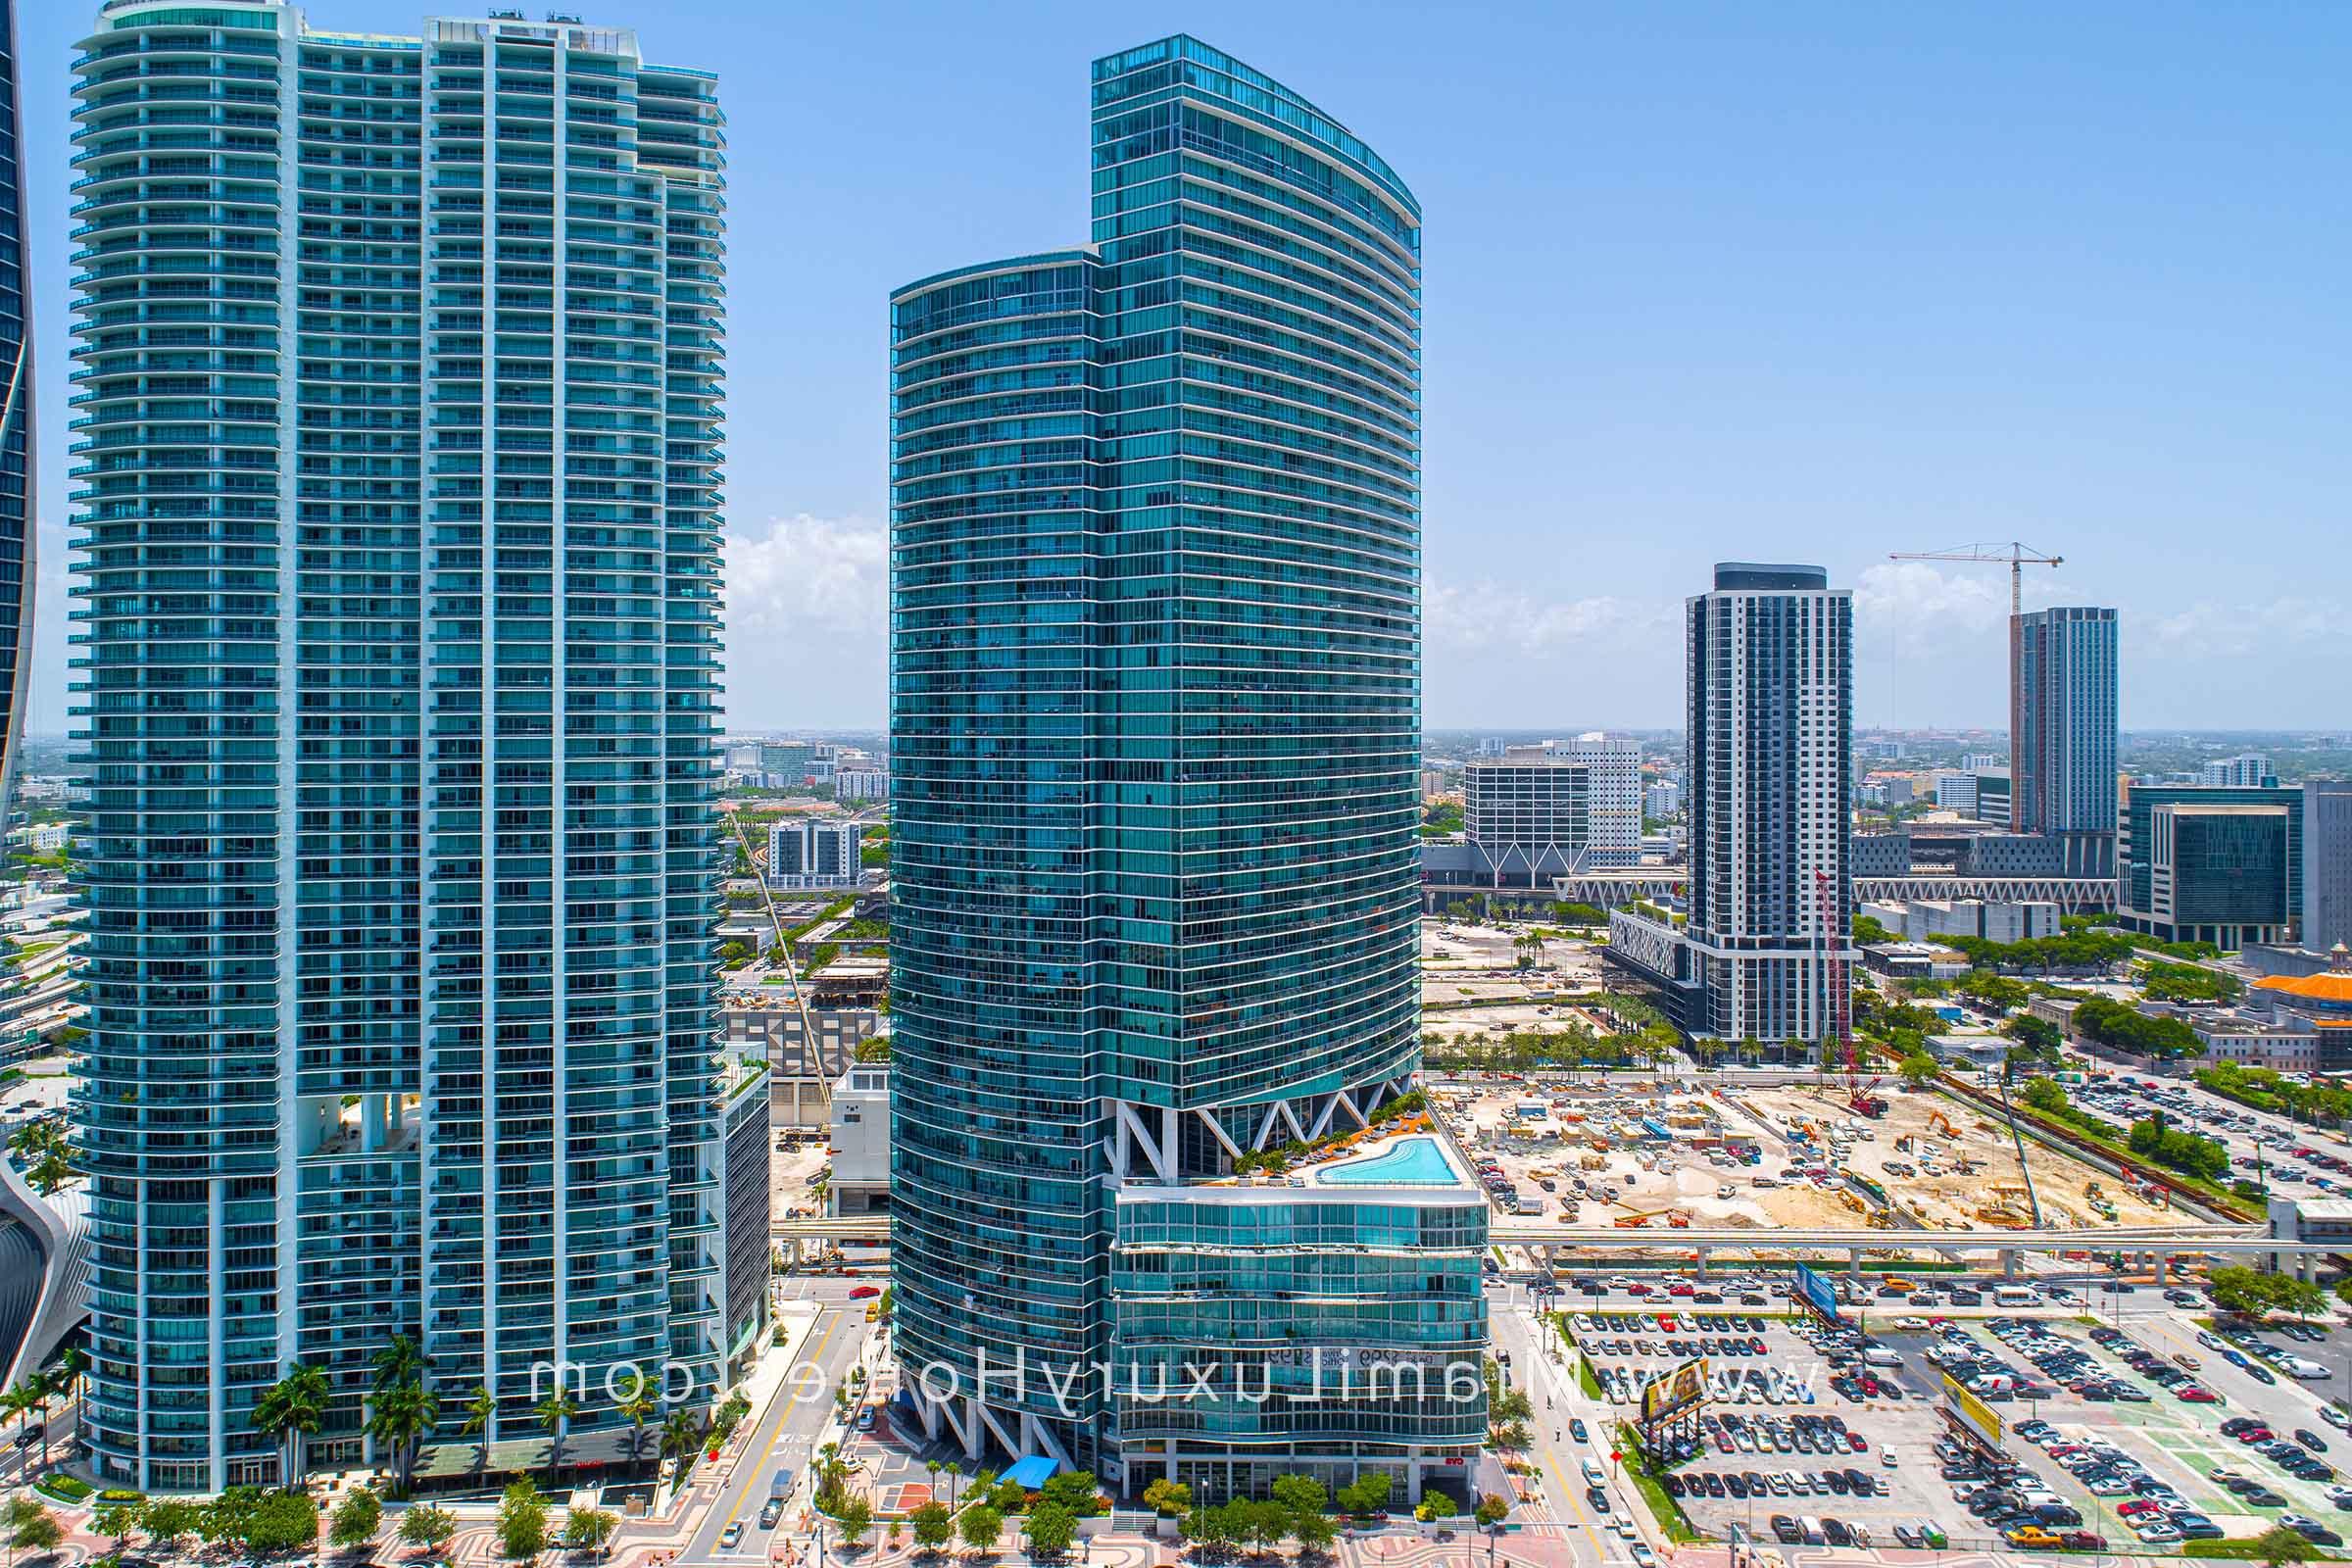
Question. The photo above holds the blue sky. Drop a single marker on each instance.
(1703, 281)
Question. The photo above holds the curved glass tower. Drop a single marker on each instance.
(1155, 650)
(17, 508)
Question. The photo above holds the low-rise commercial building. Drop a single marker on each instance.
(802, 1070)
(859, 1140)
(1913, 960)
(1920, 919)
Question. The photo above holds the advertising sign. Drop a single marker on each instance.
(1971, 1413)
(1678, 1390)
(1816, 1291)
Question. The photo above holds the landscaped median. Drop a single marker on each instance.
(1664, 1509)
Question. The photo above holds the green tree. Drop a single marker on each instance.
(115, 1520)
(554, 1414)
(856, 1516)
(522, 1520)
(1168, 1499)
(1919, 1070)
(639, 1407)
(481, 1411)
(2280, 1545)
(1263, 1524)
(1010, 1497)
(981, 1526)
(681, 1435)
(1074, 1490)
(31, 1527)
(1209, 1530)
(1368, 1493)
(168, 1521)
(934, 1526)
(355, 1519)
(1437, 1506)
(1300, 1496)
(427, 1527)
(1050, 1529)
(1491, 1511)
(283, 1521)
(588, 1529)
(290, 1410)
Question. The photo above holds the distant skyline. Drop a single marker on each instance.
(1812, 282)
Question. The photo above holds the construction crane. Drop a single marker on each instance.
(1832, 958)
(2019, 556)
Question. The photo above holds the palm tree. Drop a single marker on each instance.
(18, 1402)
(554, 1412)
(681, 1435)
(70, 1366)
(639, 1407)
(399, 1417)
(400, 1408)
(290, 1409)
(954, 1472)
(481, 1412)
(403, 1361)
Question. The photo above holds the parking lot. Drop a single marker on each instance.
(2293, 1160)
(2123, 1424)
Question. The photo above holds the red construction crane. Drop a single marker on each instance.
(2019, 556)
(1835, 1031)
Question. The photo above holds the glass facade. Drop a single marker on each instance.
(2062, 733)
(16, 505)
(397, 418)
(1154, 696)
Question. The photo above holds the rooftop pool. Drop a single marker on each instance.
(1414, 1163)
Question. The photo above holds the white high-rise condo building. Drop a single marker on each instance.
(2249, 771)
(400, 373)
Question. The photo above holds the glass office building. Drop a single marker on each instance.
(1156, 644)
(396, 405)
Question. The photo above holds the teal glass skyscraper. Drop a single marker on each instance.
(396, 429)
(1155, 708)
(17, 511)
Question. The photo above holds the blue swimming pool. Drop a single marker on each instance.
(1415, 1162)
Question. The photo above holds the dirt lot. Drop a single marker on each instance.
(1950, 1183)
(1669, 1155)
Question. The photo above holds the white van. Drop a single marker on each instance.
(2013, 1295)
(1593, 1475)
(1812, 1529)
(1880, 1355)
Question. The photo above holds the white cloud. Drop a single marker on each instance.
(1474, 617)
(2207, 629)
(1928, 610)
(808, 620)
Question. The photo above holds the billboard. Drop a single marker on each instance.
(1971, 1413)
(1816, 1291)
(1678, 1390)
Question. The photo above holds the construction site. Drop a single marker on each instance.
(1786, 1155)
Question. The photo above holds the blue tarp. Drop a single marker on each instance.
(1034, 1471)
(1657, 1128)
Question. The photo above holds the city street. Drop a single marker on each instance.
(786, 1432)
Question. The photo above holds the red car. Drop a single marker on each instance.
(1685, 1289)
(2190, 1394)
(1637, 1289)
(865, 1291)
(1857, 1441)
(2135, 1509)
(1665, 1322)
(2254, 1434)
(2081, 1541)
